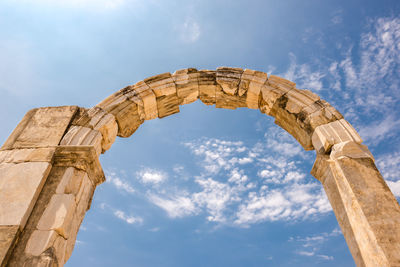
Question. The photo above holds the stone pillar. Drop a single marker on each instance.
(45, 188)
(367, 211)
(50, 233)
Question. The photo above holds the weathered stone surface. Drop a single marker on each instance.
(350, 149)
(325, 136)
(129, 114)
(8, 235)
(71, 182)
(41, 127)
(78, 135)
(27, 155)
(164, 88)
(80, 157)
(207, 86)
(250, 85)
(269, 95)
(98, 119)
(41, 241)
(365, 208)
(187, 85)
(20, 185)
(229, 79)
(58, 214)
(222, 100)
(142, 90)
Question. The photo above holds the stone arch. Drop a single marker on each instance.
(58, 148)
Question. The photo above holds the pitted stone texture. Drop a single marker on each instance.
(164, 88)
(365, 208)
(27, 155)
(229, 79)
(80, 157)
(129, 113)
(299, 112)
(41, 127)
(187, 85)
(58, 214)
(40, 241)
(8, 235)
(207, 86)
(83, 136)
(71, 181)
(20, 185)
(98, 119)
(250, 85)
(350, 149)
(227, 89)
(325, 136)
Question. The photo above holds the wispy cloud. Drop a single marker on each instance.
(118, 182)
(127, 218)
(310, 246)
(175, 206)
(303, 75)
(389, 165)
(189, 30)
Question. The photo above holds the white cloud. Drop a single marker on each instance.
(118, 182)
(189, 31)
(151, 176)
(127, 218)
(175, 206)
(303, 76)
(378, 131)
(310, 245)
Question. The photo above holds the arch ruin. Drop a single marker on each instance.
(49, 166)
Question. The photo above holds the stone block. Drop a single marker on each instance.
(281, 83)
(71, 181)
(350, 149)
(142, 91)
(40, 242)
(78, 135)
(128, 113)
(164, 88)
(41, 127)
(20, 185)
(250, 85)
(27, 155)
(207, 86)
(269, 95)
(187, 85)
(229, 79)
(223, 100)
(81, 157)
(58, 214)
(325, 136)
(8, 235)
(100, 120)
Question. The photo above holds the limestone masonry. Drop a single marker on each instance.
(49, 166)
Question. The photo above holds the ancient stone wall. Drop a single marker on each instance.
(49, 165)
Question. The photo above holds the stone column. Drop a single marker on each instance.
(45, 188)
(367, 211)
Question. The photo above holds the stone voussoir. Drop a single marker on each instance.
(187, 85)
(129, 114)
(327, 135)
(207, 86)
(164, 88)
(83, 136)
(250, 85)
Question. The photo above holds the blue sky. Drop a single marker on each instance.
(208, 187)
